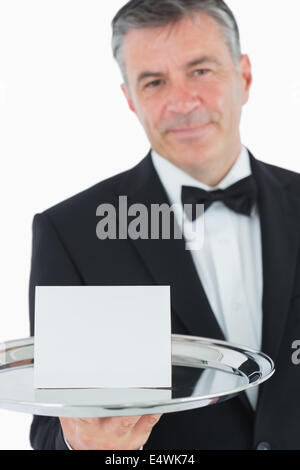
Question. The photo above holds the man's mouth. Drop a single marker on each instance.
(190, 130)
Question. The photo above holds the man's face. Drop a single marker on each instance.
(184, 88)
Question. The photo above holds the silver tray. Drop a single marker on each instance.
(204, 372)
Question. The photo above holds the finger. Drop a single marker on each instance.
(83, 425)
(120, 426)
(145, 425)
(92, 421)
(67, 424)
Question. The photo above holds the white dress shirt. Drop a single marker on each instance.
(229, 264)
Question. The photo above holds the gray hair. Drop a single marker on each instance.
(139, 14)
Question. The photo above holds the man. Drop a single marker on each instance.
(187, 81)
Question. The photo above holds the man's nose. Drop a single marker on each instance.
(182, 100)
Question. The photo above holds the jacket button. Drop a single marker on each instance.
(264, 445)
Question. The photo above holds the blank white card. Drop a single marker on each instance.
(102, 336)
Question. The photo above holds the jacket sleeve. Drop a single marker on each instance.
(51, 265)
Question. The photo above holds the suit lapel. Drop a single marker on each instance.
(280, 235)
(280, 240)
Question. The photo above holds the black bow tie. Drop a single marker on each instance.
(239, 197)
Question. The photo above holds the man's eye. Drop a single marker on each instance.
(201, 71)
(153, 84)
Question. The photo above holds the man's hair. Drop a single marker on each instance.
(139, 14)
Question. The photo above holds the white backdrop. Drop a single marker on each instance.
(65, 125)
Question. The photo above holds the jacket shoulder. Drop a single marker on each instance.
(103, 192)
(280, 171)
(288, 178)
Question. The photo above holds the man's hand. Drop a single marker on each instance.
(117, 433)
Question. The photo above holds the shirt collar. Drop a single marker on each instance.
(173, 178)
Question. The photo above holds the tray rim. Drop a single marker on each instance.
(29, 341)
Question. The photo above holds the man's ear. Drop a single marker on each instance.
(128, 97)
(246, 76)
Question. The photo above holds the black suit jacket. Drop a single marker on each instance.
(66, 251)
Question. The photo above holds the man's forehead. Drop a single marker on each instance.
(185, 39)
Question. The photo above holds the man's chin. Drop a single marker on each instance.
(191, 159)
